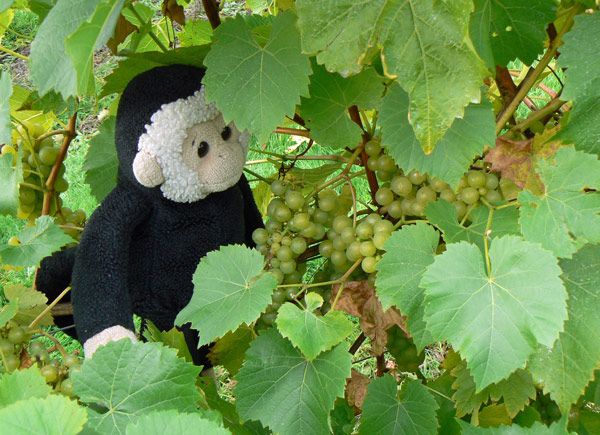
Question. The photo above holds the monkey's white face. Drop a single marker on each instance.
(189, 151)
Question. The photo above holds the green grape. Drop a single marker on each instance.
(537, 127)
(364, 230)
(32, 161)
(386, 163)
(80, 214)
(373, 148)
(461, 208)
(72, 219)
(284, 254)
(407, 205)
(384, 196)
(476, 179)
(283, 213)
(341, 222)
(294, 199)
(372, 218)
(12, 362)
(469, 195)
(26, 196)
(318, 232)
(383, 226)
(70, 360)
(269, 318)
(311, 231)
(274, 248)
(347, 235)
(17, 335)
(373, 163)
(275, 238)
(279, 296)
(47, 155)
(286, 240)
(298, 245)
(66, 387)
(278, 187)
(278, 274)
(27, 208)
(401, 185)
(287, 266)
(272, 226)
(294, 277)
(328, 203)
(301, 221)
(326, 248)
(61, 185)
(368, 264)
(6, 347)
(415, 177)
(353, 251)
(272, 207)
(395, 209)
(321, 217)
(274, 262)
(438, 185)
(462, 183)
(491, 181)
(492, 196)
(338, 243)
(74, 369)
(338, 258)
(448, 195)
(260, 236)
(425, 195)
(367, 249)
(385, 176)
(416, 208)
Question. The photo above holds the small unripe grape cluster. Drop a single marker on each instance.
(38, 158)
(408, 194)
(15, 345)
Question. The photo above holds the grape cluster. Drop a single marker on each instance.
(408, 194)
(548, 409)
(38, 158)
(15, 353)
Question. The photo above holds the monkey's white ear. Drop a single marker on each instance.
(147, 170)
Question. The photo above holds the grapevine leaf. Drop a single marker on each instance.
(50, 66)
(5, 4)
(443, 215)
(452, 154)
(230, 350)
(494, 415)
(570, 364)
(356, 389)
(565, 216)
(412, 410)
(255, 85)
(101, 161)
(172, 422)
(409, 252)
(310, 333)
(195, 32)
(425, 44)
(342, 417)
(229, 289)
(123, 28)
(446, 411)
(21, 385)
(5, 93)
(137, 63)
(173, 338)
(284, 390)
(581, 128)
(49, 415)
(520, 303)
(131, 379)
(558, 428)
(7, 312)
(505, 30)
(36, 242)
(31, 303)
(326, 111)
(592, 392)
(91, 35)
(10, 177)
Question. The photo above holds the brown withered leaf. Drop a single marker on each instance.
(358, 299)
(122, 30)
(171, 9)
(356, 389)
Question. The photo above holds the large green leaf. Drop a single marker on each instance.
(91, 35)
(326, 111)
(7, 312)
(287, 392)
(131, 379)
(453, 153)
(558, 428)
(172, 422)
(582, 84)
(446, 411)
(230, 288)
(31, 303)
(10, 177)
(5, 93)
(570, 364)
(36, 242)
(566, 216)
(230, 350)
(101, 161)
(504, 30)
(444, 216)
(50, 66)
(412, 410)
(54, 414)
(255, 85)
(21, 385)
(425, 45)
(409, 252)
(310, 333)
(519, 303)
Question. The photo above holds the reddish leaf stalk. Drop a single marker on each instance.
(211, 8)
(371, 177)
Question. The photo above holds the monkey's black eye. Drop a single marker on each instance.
(226, 133)
(203, 149)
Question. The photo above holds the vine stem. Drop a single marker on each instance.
(49, 307)
(13, 53)
(150, 32)
(486, 243)
(353, 192)
(61, 349)
(212, 12)
(254, 174)
(62, 153)
(530, 80)
(293, 131)
(548, 109)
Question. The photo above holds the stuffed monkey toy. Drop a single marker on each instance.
(180, 193)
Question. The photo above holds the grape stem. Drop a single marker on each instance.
(49, 307)
(211, 8)
(343, 281)
(31, 186)
(486, 243)
(293, 132)
(41, 137)
(4, 360)
(254, 174)
(61, 349)
(150, 32)
(356, 345)
(353, 192)
(13, 53)
(467, 214)
(538, 115)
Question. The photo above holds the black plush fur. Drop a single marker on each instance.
(139, 250)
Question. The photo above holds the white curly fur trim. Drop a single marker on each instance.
(114, 333)
(163, 139)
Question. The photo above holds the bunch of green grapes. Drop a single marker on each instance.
(548, 409)
(38, 158)
(408, 194)
(56, 372)
(13, 339)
